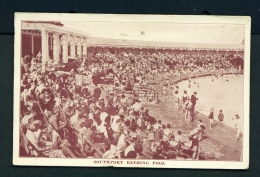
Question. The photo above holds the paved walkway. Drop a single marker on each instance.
(219, 144)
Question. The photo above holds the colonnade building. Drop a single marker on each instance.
(60, 43)
(52, 40)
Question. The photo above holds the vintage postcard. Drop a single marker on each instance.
(151, 91)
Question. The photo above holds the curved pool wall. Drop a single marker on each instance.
(203, 74)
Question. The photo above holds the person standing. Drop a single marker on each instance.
(211, 117)
(187, 105)
(199, 124)
(193, 101)
(195, 136)
(176, 100)
(220, 116)
(184, 98)
(237, 126)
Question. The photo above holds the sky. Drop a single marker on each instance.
(163, 32)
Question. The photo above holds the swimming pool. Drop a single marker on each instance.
(220, 94)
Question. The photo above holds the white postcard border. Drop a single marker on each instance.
(130, 18)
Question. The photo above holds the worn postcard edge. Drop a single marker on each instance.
(130, 18)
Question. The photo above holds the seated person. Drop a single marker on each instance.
(34, 136)
(158, 153)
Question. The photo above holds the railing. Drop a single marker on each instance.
(145, 93)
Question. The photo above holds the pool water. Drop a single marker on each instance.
(220, 94)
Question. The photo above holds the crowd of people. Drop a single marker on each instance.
(105, 118)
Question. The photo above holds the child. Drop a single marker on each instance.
(220, 116)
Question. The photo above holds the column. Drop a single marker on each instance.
(32, 47)
(72, 48)
(47, 48)
(84, 49)
(64, 49)
(44, 48)
(55, 48)
(79, 48)
(58, 46)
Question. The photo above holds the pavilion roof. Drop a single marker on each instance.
(106, 42)
(52, 27)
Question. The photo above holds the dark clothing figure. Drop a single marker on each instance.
(194, 101)
(96, 93)
(221, 116)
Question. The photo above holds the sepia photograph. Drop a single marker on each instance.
(150, 91)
